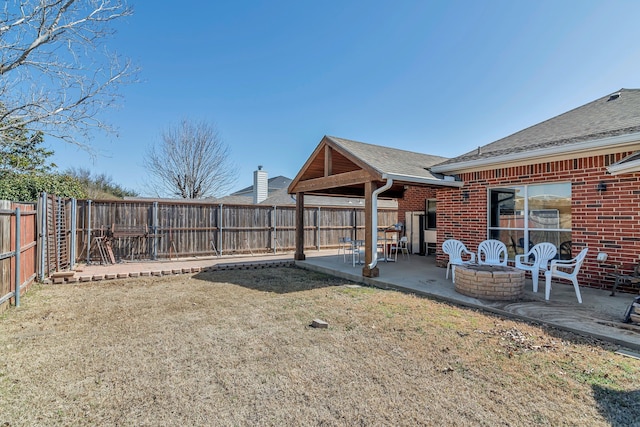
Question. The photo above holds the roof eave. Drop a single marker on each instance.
(540, 154)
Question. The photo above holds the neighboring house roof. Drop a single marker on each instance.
(612, 121)
(275, 183)
(245, 195)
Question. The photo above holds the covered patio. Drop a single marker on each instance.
(343, 168)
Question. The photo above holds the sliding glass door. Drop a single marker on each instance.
(521, 216)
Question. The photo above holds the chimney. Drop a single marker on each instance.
(260, 185)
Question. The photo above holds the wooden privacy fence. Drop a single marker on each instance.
(154, 230)
(62, 232)
(18, 250)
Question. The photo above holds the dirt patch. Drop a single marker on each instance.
(236, 348)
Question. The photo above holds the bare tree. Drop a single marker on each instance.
(56, 75)
(192, 161)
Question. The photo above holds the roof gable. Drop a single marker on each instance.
(342, 166)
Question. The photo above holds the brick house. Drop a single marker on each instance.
(572, 180)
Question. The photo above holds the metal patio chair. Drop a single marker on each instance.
(343, 243)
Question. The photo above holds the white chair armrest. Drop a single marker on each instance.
(520, 261)
(471, 254)
(562, 265)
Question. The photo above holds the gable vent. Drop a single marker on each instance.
(613, 96)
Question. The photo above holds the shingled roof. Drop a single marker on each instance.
(613, 115)
(391, 161)
(343, 167)
(276, 183)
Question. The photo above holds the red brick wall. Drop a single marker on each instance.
(414, 200)
(607, 221)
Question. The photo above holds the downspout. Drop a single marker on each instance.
(374, 220)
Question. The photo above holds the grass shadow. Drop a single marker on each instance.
(279, 280)
(619, 408)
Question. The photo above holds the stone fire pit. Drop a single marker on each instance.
(491, 282)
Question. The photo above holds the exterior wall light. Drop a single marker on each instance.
(602, 186)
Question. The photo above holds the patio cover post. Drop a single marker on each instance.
(369, 188)
(299, 255)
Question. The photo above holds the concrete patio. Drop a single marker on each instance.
(600, 315)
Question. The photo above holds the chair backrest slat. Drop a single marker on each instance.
(492, 252)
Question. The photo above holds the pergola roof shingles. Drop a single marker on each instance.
(388, 160)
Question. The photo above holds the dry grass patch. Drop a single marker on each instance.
(235, 348)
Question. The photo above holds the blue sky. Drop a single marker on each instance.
(437, 77)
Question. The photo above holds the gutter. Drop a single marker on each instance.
(446, 182)
(532, 155)
(629, 167)
(629, 164)
(374, 219)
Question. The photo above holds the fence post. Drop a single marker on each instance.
(72, 243)
(88, 232)
(275, 230)
(42, 246)
(318, 228)
(17, 272)
(57, 221)
(154, 229)
(220, 248)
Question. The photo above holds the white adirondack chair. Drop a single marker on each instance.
(565, 269)
(541, 254)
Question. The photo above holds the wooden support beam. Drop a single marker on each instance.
(328, 161)
(299, 255)
(334, 181)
